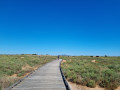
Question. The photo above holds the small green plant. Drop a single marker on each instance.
(10, 72)
(22, 73)
(0, 88)
(91, 84)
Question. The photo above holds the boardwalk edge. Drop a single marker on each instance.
(64, 79)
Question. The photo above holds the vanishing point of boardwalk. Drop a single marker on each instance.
(48, 77)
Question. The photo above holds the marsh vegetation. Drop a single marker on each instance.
(92, 71)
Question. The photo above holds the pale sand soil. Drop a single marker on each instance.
(118, 88)
(74, 86)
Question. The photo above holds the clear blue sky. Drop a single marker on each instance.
(74, 27)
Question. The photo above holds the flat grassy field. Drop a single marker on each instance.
(15, 67)
(92, 71)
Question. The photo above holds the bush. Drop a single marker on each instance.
(110, 79)
(91, 84)
(10, 72)
(34, 54)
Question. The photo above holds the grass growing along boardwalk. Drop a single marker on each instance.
(92, 71)
(14, 67)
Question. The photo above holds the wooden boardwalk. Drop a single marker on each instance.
(48, 77)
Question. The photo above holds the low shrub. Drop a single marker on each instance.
(10, 72)
(91, 84)
(22, 73)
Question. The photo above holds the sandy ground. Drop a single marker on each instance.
(118, 88)
(74, 86)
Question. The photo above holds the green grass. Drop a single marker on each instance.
(19, 65)
(105, 71)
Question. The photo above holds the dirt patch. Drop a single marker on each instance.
(93, 61)
(14, 76)
(118, 88)
(21, 57)
(63, 61)
(74, 86)
(27, 70)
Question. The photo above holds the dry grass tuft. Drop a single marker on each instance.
(7, 81)
(27, 68)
